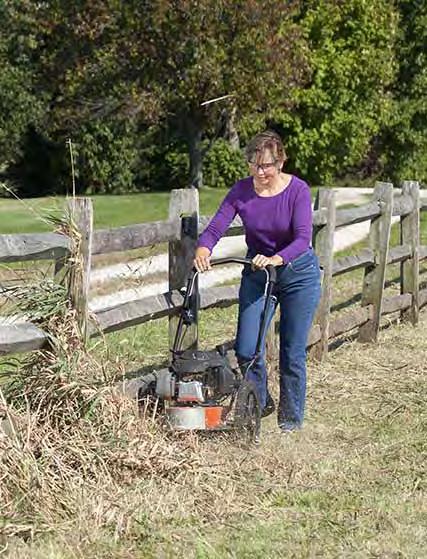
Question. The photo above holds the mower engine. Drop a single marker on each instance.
(197, 380)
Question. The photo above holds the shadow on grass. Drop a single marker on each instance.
(142, 371)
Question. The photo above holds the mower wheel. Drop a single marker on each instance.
(247, 411)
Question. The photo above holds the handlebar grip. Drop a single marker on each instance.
(231, 260)
(272, 273)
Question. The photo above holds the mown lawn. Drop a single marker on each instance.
(352, 483)
(27, 216)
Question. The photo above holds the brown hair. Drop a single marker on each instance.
(266, 140)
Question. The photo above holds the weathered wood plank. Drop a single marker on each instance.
(396, 303)
(399, 253)
(223, 296)
(235, 231)
(403, 205)
(323, 242)
(60, 269)
(134, 236)
(320, 217)
(37, 246)
(410, 235)
(143, 310)
(137, 312)
(373, 283)
(81, 212)
(366, 212)
(349, 321)
(314, 335)
(19, 338)
(235, 228)
(344, 264)
(184, 203)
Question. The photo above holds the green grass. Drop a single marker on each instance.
(27, 216)
(109, 211)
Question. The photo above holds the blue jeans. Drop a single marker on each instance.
(297, 292)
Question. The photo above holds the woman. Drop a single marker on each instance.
(275, 208)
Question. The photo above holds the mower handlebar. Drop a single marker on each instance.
(271, 270)
(231, 260)
(190, 304)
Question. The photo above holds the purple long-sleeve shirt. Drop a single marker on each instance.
(280, 224)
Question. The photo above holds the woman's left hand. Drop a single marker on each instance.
(260, 261)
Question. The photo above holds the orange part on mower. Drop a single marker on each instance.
(213, 416)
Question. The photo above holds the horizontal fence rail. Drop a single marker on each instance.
(37, 246)
(135, 236)
(25, 337)
(180, 231)
(351, 216)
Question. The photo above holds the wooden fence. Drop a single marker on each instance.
(180, 231)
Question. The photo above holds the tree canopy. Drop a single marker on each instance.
(401, 148)
(344, 82)
(347, 100)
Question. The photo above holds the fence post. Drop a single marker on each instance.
(373, 282)
(81, 215)
(183, 203)
(410, 235)
(323, 243)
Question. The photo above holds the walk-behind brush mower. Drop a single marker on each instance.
(207, 390)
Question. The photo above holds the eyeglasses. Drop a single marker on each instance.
(263, 166)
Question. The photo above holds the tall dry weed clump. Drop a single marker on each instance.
(65, 425)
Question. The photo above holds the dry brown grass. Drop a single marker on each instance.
(351, 484)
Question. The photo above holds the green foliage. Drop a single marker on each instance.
(346, 101)
(402, 147)
(20, 104)
(223, 165)
(158, 61)
(18, 108)
(176, 165)
(105, 161)
(107, 158)
(42, 167)
(345, 83)
(167, 166)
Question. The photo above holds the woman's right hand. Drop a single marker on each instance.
(202, 259)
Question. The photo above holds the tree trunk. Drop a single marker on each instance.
(231, 134)
(194, 142)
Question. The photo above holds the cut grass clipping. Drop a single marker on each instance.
(351, 484)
